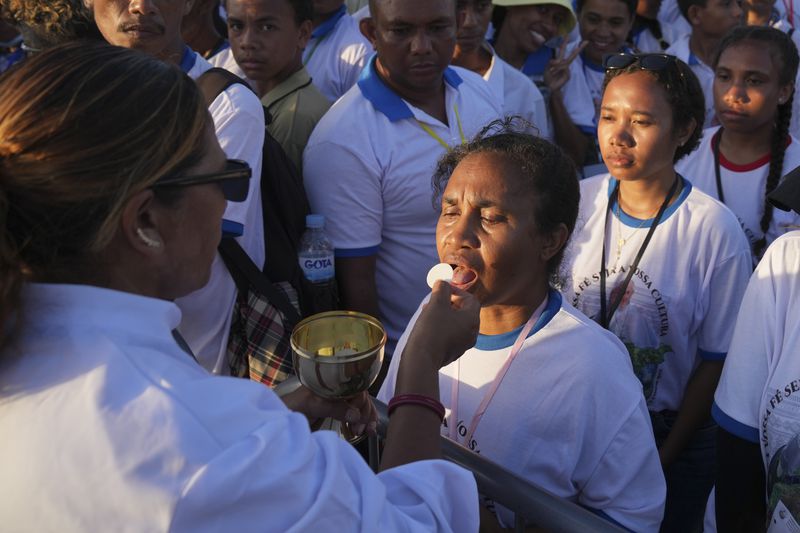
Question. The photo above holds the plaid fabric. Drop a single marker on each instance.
(258, 345)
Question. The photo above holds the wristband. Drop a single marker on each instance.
(417, 399)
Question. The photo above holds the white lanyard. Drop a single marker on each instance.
(487, 398)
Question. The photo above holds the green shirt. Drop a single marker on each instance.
(296, 106)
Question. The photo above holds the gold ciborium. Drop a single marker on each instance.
(338, 354)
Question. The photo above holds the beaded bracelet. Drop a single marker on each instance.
(417, 399)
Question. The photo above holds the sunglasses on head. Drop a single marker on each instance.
(652, 62)
(234, 180)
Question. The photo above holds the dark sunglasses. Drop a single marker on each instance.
(652, 62)
(234, 180)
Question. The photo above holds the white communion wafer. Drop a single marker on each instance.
(441, 271)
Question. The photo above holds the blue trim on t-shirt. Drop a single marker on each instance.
(734, 427)
(506, 340)
(604, 516)
(537, 61)
(231, 228)
(588, 63)
(693, 60)
(188, 59)
(326, 27)
(634, 222)
(356, 252)
(386, 100)
(711, 356)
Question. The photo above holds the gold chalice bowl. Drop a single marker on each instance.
(338, 354)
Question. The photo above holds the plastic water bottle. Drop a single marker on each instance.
(316, 260)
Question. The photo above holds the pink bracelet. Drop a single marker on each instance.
(417, 399)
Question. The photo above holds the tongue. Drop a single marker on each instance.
(462, 276)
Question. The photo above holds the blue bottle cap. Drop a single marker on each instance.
(315, 221)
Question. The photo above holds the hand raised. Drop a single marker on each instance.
(556, 73)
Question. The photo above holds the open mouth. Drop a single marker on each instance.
(463, 276)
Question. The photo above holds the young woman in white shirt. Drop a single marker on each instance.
(657, 262)
(742, 161)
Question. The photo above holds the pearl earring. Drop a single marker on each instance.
(150, 242)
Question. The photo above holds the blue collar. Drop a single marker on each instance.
(506, 340)
(537, 61)
(188, 59)
(591, 65)
(634, 222)
(386, 100)
(326, 27)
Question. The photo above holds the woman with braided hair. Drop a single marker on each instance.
(744, 159)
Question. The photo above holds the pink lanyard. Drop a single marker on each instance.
(788, 5)
(487, 398)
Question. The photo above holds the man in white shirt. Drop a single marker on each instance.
(337, 51)
(369, 162)
(154, 27)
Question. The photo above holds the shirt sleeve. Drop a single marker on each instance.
(239, 124)
(726, 288)
(759, 327)
(346, 188)
(281, 477)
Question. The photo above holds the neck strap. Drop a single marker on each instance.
(606, 313)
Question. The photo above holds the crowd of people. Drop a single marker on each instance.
(615, 184)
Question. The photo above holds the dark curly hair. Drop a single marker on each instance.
(59, 19)
(684, 95)
(551, 176)
(784, 53)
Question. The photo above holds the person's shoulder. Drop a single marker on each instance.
(680, 48)
(312, 103)
(516, 79)
(351, 116)
(786, 248)
(592, 338)
(713, 222)
(595, 353)
(476, 93)
(348, 33)
(471, 81)
(594, 185)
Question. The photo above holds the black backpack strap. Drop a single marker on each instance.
(215, 80)
(246, 274)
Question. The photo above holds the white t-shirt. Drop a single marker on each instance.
(743, 186)
(207, 313)
(677, 305)
(646, 42)
(757, 398)
(336, 54)
(368, 167)
(704, 73)
(568, 416)
(518, 95)
(109, 425)
(671, 18)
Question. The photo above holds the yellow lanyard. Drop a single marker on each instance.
(433, 134)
